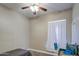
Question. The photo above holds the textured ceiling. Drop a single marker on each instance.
(51, 7)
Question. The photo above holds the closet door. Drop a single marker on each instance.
(75, 32)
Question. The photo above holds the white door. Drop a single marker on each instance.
(75, 31)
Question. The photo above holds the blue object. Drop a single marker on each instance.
(55, 46)
(68, 52)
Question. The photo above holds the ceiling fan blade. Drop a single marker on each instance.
(25, 7)
(44, 9)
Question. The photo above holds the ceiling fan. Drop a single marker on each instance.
(35, 8)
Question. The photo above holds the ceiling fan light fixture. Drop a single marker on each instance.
(34, 8)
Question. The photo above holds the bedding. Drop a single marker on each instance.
(17, 52)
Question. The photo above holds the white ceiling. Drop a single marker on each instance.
(51, 7)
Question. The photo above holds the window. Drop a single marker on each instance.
(56, 34)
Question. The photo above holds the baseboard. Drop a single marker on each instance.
(40, 51)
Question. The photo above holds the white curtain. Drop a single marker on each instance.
(56, 33)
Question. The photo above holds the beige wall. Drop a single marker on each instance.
(14, 30)
(39, 28)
